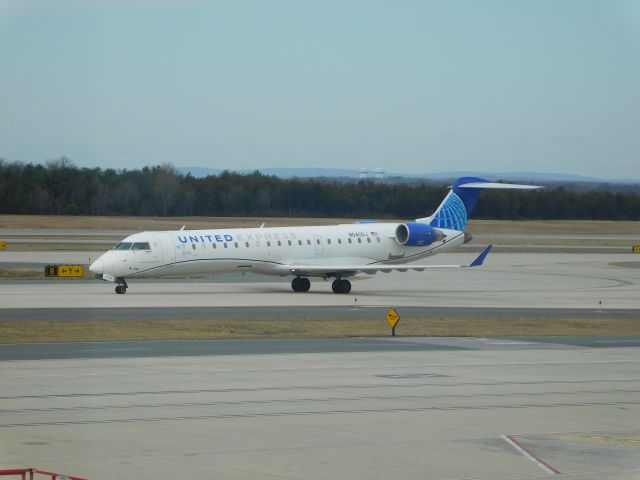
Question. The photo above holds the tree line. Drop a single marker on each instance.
(60, 187)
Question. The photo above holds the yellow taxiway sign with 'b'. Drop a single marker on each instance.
(393, 317)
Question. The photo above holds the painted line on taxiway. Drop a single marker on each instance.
(530, 455)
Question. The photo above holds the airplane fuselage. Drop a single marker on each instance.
(267, 251)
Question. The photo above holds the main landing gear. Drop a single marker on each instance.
(300, 284)
(341, 286)
(121, 287)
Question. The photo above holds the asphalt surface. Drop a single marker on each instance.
(175, 348)
(287, 313)
(375, 408)
(505, 281)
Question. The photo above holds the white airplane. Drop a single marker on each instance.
(336, 251)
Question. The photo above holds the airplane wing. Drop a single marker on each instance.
(306, 270)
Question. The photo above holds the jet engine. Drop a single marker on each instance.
(414, 234)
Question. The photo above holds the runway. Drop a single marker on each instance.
(438, 408)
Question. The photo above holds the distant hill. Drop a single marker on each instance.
(199, 172)
(546, 177)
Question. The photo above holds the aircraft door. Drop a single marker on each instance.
(168, 249)
(318, 244)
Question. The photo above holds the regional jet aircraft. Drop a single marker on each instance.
(335, 252)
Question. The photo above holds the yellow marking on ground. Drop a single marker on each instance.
(619, 439)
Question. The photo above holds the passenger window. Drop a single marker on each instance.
(235, 244)
(318, 241)
(268, 244)
(350, 241)
(289, 242)
(359, 240)
(368, 240)
(339, 241)
(246, 244)
(299, 242)
(226, 246)
(215, 246)
(308, 242)
(279, 243)
(328, 241)
(193, 245)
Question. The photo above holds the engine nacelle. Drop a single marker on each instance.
(414, 234)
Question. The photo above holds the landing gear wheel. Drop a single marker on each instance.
(300, 284)
(121, 289)
(341, 286)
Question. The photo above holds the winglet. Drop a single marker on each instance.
(478, 261)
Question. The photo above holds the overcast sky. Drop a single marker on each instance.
(409, 86)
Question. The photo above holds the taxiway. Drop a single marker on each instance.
(439, 408)
(578, 281)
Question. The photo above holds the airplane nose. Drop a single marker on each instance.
(97, 266)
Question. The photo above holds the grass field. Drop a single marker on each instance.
(21, 274)
(151, 223)
(558, 227)
(26, 331)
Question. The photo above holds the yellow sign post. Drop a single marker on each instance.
(393, 317)
(3, 245)
(636, 249)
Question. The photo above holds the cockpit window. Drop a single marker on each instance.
(122, 246)
(141, 246)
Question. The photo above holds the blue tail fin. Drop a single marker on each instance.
(455, 210)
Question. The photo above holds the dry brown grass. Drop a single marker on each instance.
(21, 273)
(59, 246)
(25, 331)
(554, 227)
(571, 227)
(151, 223)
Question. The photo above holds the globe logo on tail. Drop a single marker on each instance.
(452, 214)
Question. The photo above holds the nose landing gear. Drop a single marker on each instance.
(121, 287)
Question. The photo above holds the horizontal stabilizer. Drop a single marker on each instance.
(497, 186)
(480, 260)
